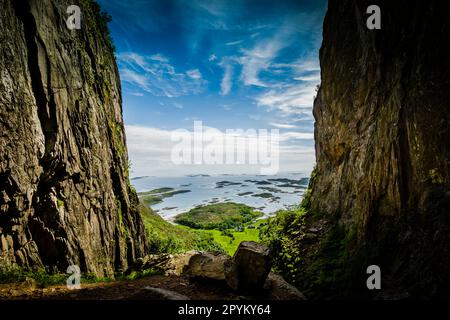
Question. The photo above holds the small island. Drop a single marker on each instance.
(157, 195)
(229, 223)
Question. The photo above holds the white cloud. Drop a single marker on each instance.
(134, 78)
(263, 55)
(158, 57)
(137, 94)
(150, 154)
(291, 100)
(258, 59)
(225, 85)
(283, 125)
(287, 136)
(232, 43)
(313, 77)
(194, 74)
(212, 57)
(178, 105)
(154, 74)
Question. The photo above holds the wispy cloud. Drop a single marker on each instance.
(212, 57)
(134, 78)
(291, 100)
(283, 125)
(288, 136)
(155, 75)
(178, 105)
(194, 74)
(225, 85)
(233, 43)
(257, 59)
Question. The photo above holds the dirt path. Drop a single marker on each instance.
(129, 289)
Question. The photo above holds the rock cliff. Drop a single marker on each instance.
(380, 193)
(382, 142)
(65, 196)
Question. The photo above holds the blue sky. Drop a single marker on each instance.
(231, 64)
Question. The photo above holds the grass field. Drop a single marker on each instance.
(227, 218)
(230, 244)
(165, 237)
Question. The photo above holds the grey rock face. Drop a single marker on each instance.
(382, 126)
(65, 197)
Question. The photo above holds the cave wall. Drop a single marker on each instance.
(382, 140)
(65, 196)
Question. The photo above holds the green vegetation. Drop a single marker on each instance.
(218, 216)
(157, 195)
(40, 276)
(307, 252)
(100, 19)
(117, 130)
(165, 237)
(43, 277)
(60, 203)
(330, 269)
(141, 274)
(229, 239)
(280, 234)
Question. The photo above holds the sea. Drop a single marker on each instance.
(267, 194)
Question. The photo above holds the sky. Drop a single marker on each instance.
(235, 64)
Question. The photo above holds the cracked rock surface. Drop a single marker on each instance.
(65, 196)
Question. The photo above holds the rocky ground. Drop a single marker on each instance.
(193, 275)
(144, 288)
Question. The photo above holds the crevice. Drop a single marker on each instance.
(46, 110)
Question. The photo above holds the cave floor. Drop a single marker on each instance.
(120, 290)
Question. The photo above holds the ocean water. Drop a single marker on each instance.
(281, 191)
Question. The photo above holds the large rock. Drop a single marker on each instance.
(208, 266)
(250, 267)
(169, 264)
(278, 289)
(65, 197)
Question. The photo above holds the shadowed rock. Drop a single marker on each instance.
(250, 267)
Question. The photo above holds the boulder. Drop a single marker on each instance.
(250, 267)
(155, 261)
(208, 265)
(278, 289)
(167, 263)
(179, 262)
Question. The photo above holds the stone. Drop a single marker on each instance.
(208, 266)
(278, 289)
(167, 263)
(250, 267)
